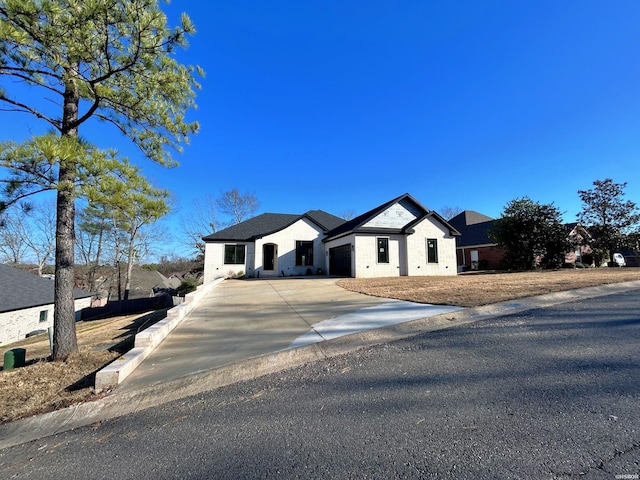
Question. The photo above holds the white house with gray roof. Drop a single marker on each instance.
(26, 303)
(398, 238)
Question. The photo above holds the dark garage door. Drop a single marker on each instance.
(340, 260)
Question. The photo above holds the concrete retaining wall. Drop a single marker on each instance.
(150, 338)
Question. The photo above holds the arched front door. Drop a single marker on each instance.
(269, 257)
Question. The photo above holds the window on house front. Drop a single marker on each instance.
(304, 253)
(234, 254)
(432, 250)
(383, 250)
(43, 316)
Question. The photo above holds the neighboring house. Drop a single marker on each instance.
(171, 284)
(474, 249)
(582, 252)
(400, 237)
(144, 283)
(580, 240)
(174, 281)
(26, 303)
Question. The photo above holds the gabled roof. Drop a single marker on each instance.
(144, 281)
(574, 228)
(358, 224)
(468, 217)
(20, 289)
(269, 223)
(474, 228)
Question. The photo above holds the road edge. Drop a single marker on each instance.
(116, 405)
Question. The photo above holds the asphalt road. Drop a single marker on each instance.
(551, 393)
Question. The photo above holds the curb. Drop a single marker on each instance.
(148, 339)
(116, 405)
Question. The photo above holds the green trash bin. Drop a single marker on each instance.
(14, 358)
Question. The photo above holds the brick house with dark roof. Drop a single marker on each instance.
(26, 303)
(400, 237)
(474, 249)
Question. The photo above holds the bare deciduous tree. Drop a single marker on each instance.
(41, 237)
(94, 226)
(203, 217)
(236, 205)
(12, 233)
(27, 234)
(448, 212)
(200, 220)
(348, 214)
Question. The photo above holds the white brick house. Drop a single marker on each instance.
(398, 238)
(26, 303)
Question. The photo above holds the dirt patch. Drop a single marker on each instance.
(473, 290)
(42, 386)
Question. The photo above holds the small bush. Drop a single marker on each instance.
(232, 274)
(187, 286)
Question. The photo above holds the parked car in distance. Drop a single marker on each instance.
(619, 259)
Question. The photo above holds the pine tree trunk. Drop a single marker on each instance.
(64, 324)
(64, 327)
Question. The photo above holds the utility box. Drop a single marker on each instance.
(14, 358)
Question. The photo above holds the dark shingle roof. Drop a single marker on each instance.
(473, 227)
(20, 289)
(333, 226)
(570, 226)
(324, 219)
(476, 234)
(468, 217)
(269, 223)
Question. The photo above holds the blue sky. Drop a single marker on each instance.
(344, 105)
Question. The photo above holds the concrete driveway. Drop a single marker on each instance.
(242, 319)
(244, 329)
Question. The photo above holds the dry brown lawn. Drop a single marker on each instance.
(472, 290)
(43, 386)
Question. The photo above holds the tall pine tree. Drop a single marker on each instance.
(110, 60)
